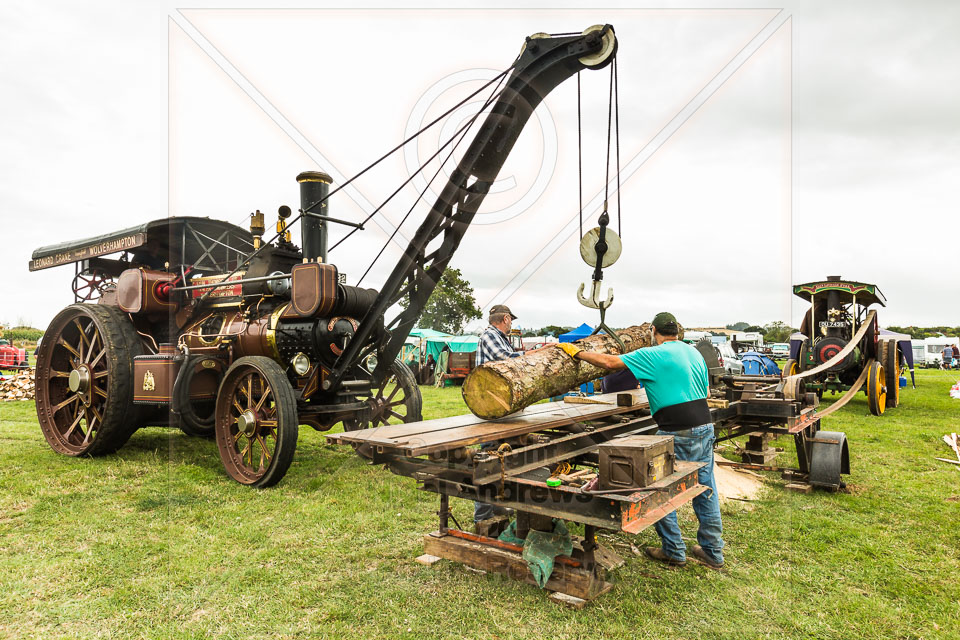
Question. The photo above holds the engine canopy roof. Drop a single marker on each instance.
(203, 242)
(848, 290)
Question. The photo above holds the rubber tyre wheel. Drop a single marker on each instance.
(890, 357)
(871, 341)
(790, 368)
(276, 419)
(876, 394)
(412, 401)
(110, 417)
(802, 355)
(191, 422)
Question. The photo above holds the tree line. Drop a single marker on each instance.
(452, 304)
(919, 333)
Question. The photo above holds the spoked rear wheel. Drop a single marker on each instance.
(396, 401)
(256, 422)
(876, 389)
(84, 380)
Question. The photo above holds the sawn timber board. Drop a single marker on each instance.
(443, 434)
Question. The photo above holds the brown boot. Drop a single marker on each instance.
(701, 556)
(658, 554)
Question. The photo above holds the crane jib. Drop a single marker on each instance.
(544, 64)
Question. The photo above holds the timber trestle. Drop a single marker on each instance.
(524, 453)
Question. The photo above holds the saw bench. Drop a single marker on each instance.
(524, 453)
(545, 463)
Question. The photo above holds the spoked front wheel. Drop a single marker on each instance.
(789, 368)
(256, 422)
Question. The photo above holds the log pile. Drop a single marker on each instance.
(17, 387)
(496, 389)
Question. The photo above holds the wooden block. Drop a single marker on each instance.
(582, 474)
(625, 400)
(582, 400)
(575, 581)
(428, 559)
(799, 487)
(493, 527)
(607, 558)
(567, 600)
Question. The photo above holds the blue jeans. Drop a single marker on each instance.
(695, 445)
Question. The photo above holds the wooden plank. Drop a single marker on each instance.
(447, 436)
(573, 581)
(557, 415)
(396, 432)
(567, 600)
(428, 559)
(477, 434)
(582, 400)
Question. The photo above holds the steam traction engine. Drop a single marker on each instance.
(238, 356)
(202, 325)
(842, 348)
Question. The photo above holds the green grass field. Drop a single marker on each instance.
(156, 542)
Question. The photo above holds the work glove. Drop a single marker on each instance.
(570, 349)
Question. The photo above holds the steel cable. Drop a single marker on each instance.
(247, 260)
(463, 132)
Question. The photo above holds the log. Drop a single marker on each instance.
(18, 387)
(496, 389)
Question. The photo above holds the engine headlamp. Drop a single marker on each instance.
(300, 364)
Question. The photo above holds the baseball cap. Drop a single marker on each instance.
(502, 308)
(663, 320)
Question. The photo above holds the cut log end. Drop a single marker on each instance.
(487, 393)
(497, 389)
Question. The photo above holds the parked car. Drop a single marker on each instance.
(728, 359)
(780, 349)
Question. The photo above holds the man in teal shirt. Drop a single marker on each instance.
(675, 377)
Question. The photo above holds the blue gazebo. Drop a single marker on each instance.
(582, 331)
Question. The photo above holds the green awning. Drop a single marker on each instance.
(457, 344)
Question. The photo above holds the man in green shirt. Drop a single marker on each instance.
(675, 377)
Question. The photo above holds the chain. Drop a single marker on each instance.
(500, 452)
(580, 155)
(616, 101)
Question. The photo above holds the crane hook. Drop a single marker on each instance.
(594, 301)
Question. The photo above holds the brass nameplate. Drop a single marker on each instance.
(90, 251)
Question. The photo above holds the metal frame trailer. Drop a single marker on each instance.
(438, 455)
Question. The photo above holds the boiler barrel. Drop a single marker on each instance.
(314, 187)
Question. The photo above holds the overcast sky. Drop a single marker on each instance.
(761, 147)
